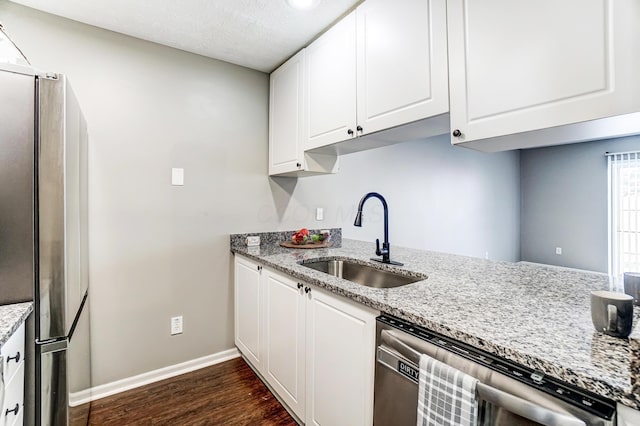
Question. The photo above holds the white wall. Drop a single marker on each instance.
(159, 251)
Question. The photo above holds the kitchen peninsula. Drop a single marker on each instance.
(534, 315)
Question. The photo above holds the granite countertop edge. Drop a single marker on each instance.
(627, 395)
(11, 317)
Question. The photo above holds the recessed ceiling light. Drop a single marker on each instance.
(303, 4)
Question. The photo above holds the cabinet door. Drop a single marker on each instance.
(285, 116)
(402, 62)
(12, 353)
(340, 361)
(331, 86)
(521, 66)
(627, 416)
(285, 339)
(248, 324)
(13, 399)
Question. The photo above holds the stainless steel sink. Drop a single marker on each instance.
(362, 274)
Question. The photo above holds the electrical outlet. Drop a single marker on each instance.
(253, 241)
(486, 255)
(176, 325)
(558, 250)
(319, 213)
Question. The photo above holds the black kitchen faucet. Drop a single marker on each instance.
(385, 252)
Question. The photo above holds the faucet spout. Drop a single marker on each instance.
(385, 251)
(358, 221)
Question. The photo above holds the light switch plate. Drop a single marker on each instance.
(177, 177)
(176, 325)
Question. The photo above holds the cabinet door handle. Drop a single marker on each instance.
(298, 165)
(15, 358)
(456, 133)
(307, 290)
(259, 268)
(350, 132)
(300, 285)
(359, 129)
(14, 410)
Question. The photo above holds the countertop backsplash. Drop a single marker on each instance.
(271, 238)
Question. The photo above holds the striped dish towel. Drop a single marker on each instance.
(446, 397)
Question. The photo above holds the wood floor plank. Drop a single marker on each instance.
(224, 394)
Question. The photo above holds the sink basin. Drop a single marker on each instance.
(362, 274)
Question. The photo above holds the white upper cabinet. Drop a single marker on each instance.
(285, 117)
(286, 124)
(401, 62)
(330, 113)
(518, 67)
(382, 66)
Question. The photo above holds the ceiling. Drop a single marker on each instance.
(258, 34)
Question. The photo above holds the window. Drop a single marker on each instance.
(624, 213)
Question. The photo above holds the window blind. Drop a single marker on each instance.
(624, 213)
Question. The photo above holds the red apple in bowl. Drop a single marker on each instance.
(300, 237)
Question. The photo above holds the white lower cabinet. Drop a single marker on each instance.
(627, 416)
(14, 399)
(12, 353)
(340, 360)
(248, 328)
(317, 351)
(285, 339)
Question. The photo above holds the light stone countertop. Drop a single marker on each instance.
(11, 316)
(535, 315)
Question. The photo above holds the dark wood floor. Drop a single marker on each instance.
(224, 394)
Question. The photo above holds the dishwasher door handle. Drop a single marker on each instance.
(392, 340)
(525, 408)
(511, 403)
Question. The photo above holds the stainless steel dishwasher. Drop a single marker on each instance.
(508, 394)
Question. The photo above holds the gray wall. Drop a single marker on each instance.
(159, 251)
(440, 197)
(564, 203)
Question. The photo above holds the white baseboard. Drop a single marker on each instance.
(566, 268)
(108, 389)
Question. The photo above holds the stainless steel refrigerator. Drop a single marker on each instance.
(44, 236)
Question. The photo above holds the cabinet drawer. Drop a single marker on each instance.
(14, 349)
(14, 395)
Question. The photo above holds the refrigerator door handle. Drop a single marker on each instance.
(51, 346)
